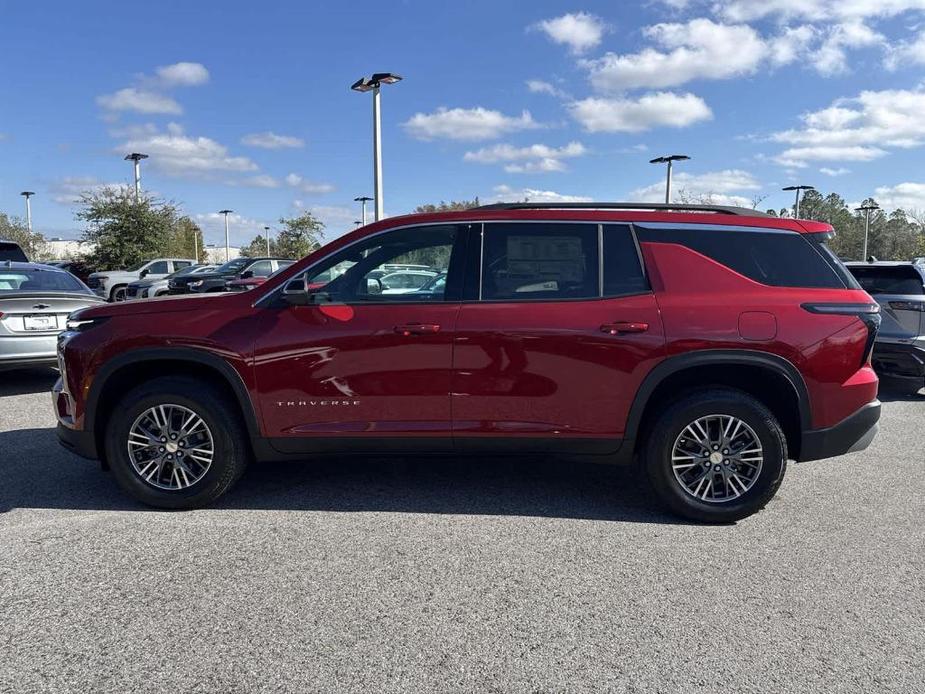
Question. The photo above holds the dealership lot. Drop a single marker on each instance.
(372, 575)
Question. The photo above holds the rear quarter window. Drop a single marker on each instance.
(771, 257)
(11, 251)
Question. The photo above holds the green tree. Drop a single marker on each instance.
(451, 206)
(257, 248)
(184, 239)
(298, 237)
(126, 233)
(15, 229)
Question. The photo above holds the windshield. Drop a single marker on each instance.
(185, 271)
(233, 267)
(137, 268)
(34, 280)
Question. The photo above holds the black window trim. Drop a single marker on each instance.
(471, 227)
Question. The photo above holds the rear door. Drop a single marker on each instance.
(558, 331)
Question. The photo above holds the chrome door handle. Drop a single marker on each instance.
(623, 327)
(417, 329)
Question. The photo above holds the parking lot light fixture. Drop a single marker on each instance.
(28, 194)
(866, 209)
(796, 204)
(227, 244)
(135, 158)
(363, 199)
(669, 159)
(367, 84)
(266, 231)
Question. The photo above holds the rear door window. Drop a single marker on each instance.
(158, 268)
(886, 279)
(540, 261)
(772, 257)
(262, 268)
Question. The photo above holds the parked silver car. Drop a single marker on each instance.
(35, 301)
(899, 288)
(151, 288)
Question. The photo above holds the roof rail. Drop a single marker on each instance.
(657, 206)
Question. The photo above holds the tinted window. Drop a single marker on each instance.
(622, 269)
(180, 264)
(540, 261)
(158, 268)
(357, 274)
(884, 279)
(780, 259)
(262, 268)
(11, 251)
(15, 280)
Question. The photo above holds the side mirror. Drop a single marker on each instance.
(296, 292)
(143, 274)
(373, 286)
(247, 274)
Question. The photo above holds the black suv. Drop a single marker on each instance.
(237, 269)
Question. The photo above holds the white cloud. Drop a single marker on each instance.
(699, 49)
(719, 187)
(177, 154)
(579, 31)
(909, 196)
(504, 193)
(67, 191)
(258, 181)
(310, 187)
(337, 219)
(241, 229)
(830, 58)
(813, 10)
(466, 124)
(140, 101)
(905, 53)
(182, 75)
(834, 172)
(861, 128)
(632, 115)
(544, 87)
(270, 140)
(532, 159)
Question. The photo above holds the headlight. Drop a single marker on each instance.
(197, 283)
(79, 325)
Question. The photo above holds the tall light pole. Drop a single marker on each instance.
(363, 199)
(357, 223)
(367, 84)
(28, 194)
(266, 231)
(227, 245)
(796, 204)
(670, 159)
(136, 158)
(866, 209)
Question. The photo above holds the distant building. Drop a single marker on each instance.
(61, 249)
(216, 254)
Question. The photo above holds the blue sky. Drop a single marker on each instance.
(248, 106)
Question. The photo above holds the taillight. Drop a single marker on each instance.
(869, 313)
(908, 305)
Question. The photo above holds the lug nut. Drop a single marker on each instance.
(163, 439)
(173, 436)
(160, 448)
(716, 468)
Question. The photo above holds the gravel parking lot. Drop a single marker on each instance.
(487, 575)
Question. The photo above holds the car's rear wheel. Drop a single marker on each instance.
(176, 443)
(716, 456)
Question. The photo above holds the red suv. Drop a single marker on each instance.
(710, 344)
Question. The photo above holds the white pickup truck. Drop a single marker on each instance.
(111, 284)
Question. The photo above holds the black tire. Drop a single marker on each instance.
(231, 451)
(902, 386)
(118, 293)
(665, 430)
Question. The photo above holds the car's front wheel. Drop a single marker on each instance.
(176, 443)
(118, 294)
(716, 456)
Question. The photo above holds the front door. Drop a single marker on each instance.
(550, 354)
(365, 367)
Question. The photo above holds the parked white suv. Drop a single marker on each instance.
(111, 285)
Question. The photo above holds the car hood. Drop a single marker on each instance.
(144, 284)
(202, 276)
(167, 304)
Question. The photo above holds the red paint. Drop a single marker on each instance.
(472, 369)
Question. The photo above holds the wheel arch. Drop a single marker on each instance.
(768, 377)
(138, 366)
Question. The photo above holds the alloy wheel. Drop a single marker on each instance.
(170, 447)
(717, 458)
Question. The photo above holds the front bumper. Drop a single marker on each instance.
(78, 441)
(854, 433)
(899, 360)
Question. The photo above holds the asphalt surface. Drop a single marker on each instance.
(481, 576)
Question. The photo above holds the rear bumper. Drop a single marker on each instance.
(899, 360)
(854, 433)
(24, 349)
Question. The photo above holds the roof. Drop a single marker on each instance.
(17, 265)
(882, 263)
